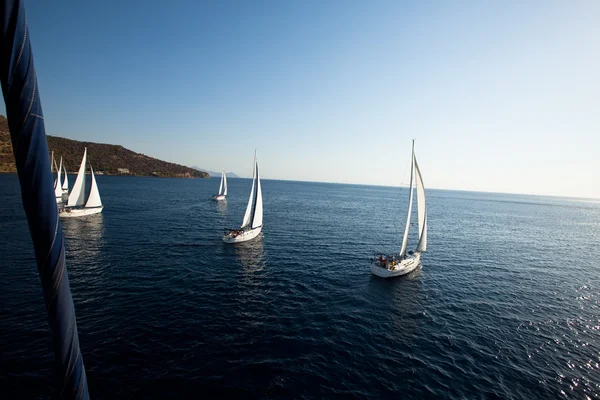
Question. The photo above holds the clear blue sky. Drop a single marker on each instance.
(501, 96)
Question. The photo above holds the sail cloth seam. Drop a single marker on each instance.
(30, 103)
(57, 277)
(20, 54)
(51, 246)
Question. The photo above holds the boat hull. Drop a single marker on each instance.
(242, 237)
(409, 264)
(219, 197)
(70, 212)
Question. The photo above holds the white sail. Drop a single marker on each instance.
(410, 200)
(224, 184)
(55, 167)
(221, 185)
(94, 199)
(257, 218)
(57, 187)
(65, 184)
(421, 209)
(248, 213)
(77, 196)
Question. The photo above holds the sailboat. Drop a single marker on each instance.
(405, 262)
(75, 206)
(65, 185)
(253, 218)
(222, 188)
(57, 184)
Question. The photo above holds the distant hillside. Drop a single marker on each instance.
(7, 158)
(212, 173)
(107, 158)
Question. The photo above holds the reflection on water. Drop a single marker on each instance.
(404, 296)
(252, 255)
(222, 207)
(84, 238)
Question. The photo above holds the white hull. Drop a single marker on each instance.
(242, 237)
(409, 264)
(219, 197)
(69, 212)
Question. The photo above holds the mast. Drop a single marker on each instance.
(410, 198)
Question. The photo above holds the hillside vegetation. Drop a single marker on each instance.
(109, 159)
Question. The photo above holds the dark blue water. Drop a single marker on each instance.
(506, 304)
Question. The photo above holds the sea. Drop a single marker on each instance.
(506, 303)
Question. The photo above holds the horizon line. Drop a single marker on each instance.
(595, 199)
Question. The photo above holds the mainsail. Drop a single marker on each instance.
(248, 212)
(57, 187)
(221, 185)
(65, 185)
(77, 196)
(224, 184)
(54, 166)
(94, 199)
(421, 210)
(410, 200)
(257, 218)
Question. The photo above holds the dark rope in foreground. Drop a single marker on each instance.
(26, 123)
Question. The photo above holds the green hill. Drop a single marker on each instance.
(109, 159)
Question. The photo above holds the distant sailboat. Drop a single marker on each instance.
(253, 218)
(65, 185)
(57, 183)
(75, 207)
(222, 188)
(390, 266)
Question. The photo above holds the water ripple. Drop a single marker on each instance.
(506, 305)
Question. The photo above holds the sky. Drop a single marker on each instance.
(500, 96)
